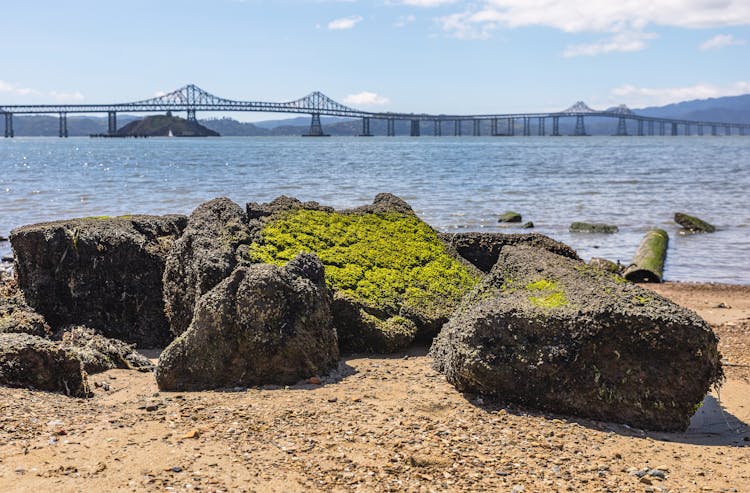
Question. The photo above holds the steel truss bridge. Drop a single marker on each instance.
(192, 99)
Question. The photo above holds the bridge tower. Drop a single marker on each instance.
(365, 127)
(9, 125)
(316, 129)
(580, 127)
(700, 130)
(63, 131)
(415, 128)
(622, 127)
(540, 126)
(555, 126)
(674, 128)
(457, 128)
(713, 131)
(742, 131)
(687, 129)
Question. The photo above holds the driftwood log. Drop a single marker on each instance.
(648, 263)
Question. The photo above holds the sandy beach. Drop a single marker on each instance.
(381, 423)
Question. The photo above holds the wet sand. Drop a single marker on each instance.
(386, 423)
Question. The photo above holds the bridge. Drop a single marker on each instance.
(192, 99)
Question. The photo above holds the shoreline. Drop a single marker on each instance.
(384, 423)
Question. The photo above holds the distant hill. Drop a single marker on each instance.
(165, 125)
(735, 109)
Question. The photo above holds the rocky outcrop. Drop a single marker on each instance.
(98, 353)
(202, 257)
(31, 361)
(261, 325)
(394, 279)
(16, 316)
(483, 249)
(102, 272)
(555, 334)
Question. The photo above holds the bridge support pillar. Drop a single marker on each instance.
(191, 115)
(457, 128)
(640, 128)
(742, 131)
(622, 127)
(662, 130)
(540, 126)
(365, 127)
(674, 129)
(651, 128)
(390, 127)
(493, 127)
(526, 126)
(700, 130)
(316, 129)
(713, 131)
(415, 129)
(438, 128)
(511, 126)
(477, 129)
(111, 122)
(63, 131)
(727, 130)
(687, 129)
(555, 126)
(9, 125)
(580, 127)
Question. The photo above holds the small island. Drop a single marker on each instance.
(165, 126)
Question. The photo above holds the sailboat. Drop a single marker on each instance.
(170, 134)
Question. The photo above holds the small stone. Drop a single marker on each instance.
(60, 432)
(528, 225)
(657, 473)
(333, 399)
(20, 470)
(314, 380)
(175, 469)
(502, 473)
(645, 480)
(723, 305)
(192, 434)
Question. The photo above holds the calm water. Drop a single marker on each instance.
(455, 184)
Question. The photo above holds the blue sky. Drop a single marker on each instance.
(437, 56)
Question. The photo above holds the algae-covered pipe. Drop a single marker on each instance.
(648, 263)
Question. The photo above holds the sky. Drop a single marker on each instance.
(432, 56)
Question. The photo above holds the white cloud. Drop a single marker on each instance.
(478, 20)
(645, 96)
(720, 41)
(345, 23)
(404, 20)
(366, 98)
(620, 42)
(18, 90)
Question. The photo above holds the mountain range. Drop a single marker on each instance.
(735, 109)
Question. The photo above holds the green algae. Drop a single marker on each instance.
(546, 294)
(387, 260)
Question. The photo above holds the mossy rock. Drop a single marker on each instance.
(510, 217)
(381, 260)
(581, 227)
(555, 334)
(692, 224)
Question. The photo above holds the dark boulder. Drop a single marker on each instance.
(202, 257)
(510, 217)
(365, 329)
(102, 272)
(483, 249)
(692, 224)
(16, 316)
(31, 361)
(261, 325)
(555, 334)
(98, 353)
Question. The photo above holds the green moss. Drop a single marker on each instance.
(546, 294)
(95, 218)
(387, 260)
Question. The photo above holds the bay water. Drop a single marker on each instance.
(454, 183)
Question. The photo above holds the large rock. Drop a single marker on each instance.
(555, 334)
(203, 257)
(31, 361)
(483, 249)
(16, 316)
(102, 272)
(394, 279)
(98, 353)
(261, 325)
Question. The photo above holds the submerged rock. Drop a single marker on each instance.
(382, 262)
(555, 334)
(98, 353)
(202, 257)
(580, 227)
(693, 224)
(31, 361)
(483, 249)
(262, 325)
(102, 272)
(510, 217)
